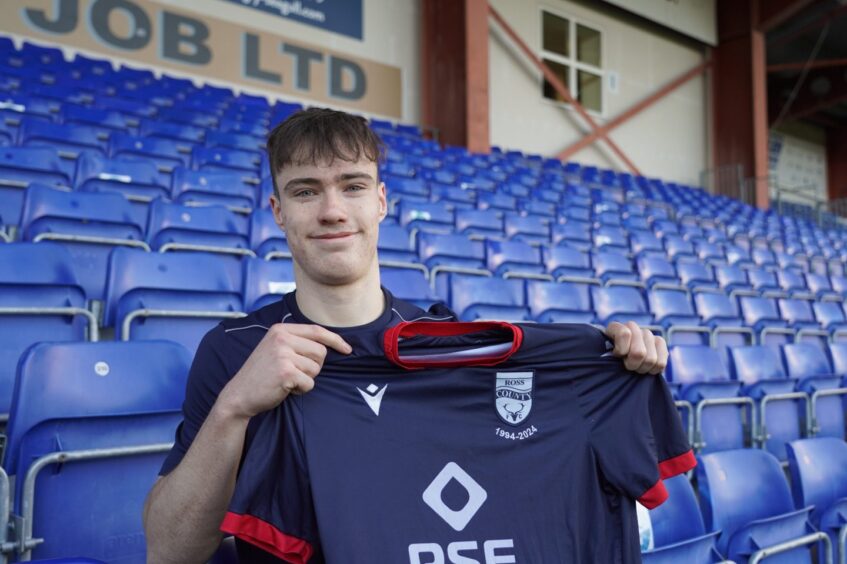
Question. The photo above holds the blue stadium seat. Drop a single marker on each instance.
(188, 116)
(138, 179)
(762, 315)
(830, 315)
(482, 297)
(495, 201)
(655, 269)
(205, 187)
(407, 189)
(809, 366)
(679, 534)
(722, 420)
(610, 238)
(161, 296)
(41, 278)
(562, 261)
(89, 225)
(230, 140)
(574, 233)
(820, 286)
(245, 162)
(818, 469)
(765, 282)
(620, 303)
(513, 258)
(673, 310)
(434, 217)
(408, 284)
(614, 267)
(166, 153)
(732, 278)
(478, 222)
(265, 281)
(115, 121)
(69, 140)
(710, 253)
(395, 245)
(761, 371)
(188, 136)
(174, 227)
(564, 302)
(719, 312)
(446, 253)
(74, 406)
(744, 495)
(453, 196)
(528, 229)
(19, 166)
(764, 258)
(793, 283)
(267, 239)
(679, 249)
(696, 275)
(646, 244)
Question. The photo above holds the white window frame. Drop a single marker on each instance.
(571, 62)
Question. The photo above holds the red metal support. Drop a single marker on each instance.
(824, 64)
(634, 110)
(773, 13)
(560, 88)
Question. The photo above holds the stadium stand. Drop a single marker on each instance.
(751, 301)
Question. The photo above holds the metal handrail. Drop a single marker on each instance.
(27, 542)
(702, 404)
(93, 329)
(736, 330)
(89, 239)
(812, 426)
(206, 248)
(763, 431)
(457, 270)
(135, 314)
(760, 555)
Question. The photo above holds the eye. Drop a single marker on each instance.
(304, 193)
(355, 187)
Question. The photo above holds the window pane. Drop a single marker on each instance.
(590, 90)
(561, 71)
(588, 45)
(555, 34)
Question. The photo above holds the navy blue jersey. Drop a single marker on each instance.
(223, 351)
(462, 443)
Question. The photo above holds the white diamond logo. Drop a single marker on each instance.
(373, 396)
(458, 519)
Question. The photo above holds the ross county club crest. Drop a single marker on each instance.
(513, 396)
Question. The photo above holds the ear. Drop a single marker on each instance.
(276, 208)
(383, 201)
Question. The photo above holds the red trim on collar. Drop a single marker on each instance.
(447, 329)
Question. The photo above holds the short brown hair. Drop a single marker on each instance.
(321, 134)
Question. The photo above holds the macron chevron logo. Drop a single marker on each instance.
(373, 396)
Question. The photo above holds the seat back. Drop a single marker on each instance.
(805, 360)
(137, 280)
(620, 303)
(482, 297)
(678, 518)
(738, 487)
(797, 312)
(213, 226)
(691, 364)
(507, 256)
(755, 364)
(408, 284)
(818, 470)
(440, 249)
(265, 281)
(73, 397)
(559, 302)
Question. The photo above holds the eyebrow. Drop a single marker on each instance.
(316, 181)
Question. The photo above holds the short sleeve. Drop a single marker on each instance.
(272, 507)
(206, 378)
(636, 432)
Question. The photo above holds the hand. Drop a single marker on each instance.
(286, 361)
(641, 350)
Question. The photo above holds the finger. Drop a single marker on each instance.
(650, 355)
(300, 384)
(621, 336)
(637, 349)
(321, 335)
(661, 356)
(307, 366)
(303, 346)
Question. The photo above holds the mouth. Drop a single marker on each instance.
(333, 236)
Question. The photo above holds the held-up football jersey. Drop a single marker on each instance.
(462, 443)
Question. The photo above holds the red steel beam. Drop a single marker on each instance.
(634, 110)
(560, 88)
(776, 12)
(809, 27)
(824, 64)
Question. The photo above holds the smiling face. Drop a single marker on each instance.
(330, 212)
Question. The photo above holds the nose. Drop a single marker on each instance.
(332, 208)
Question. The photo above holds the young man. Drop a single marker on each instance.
(329, 201)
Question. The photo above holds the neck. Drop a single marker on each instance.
(348, 305)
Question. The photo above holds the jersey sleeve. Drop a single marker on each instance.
(272, 506)
(636, 431)
(206, 378)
